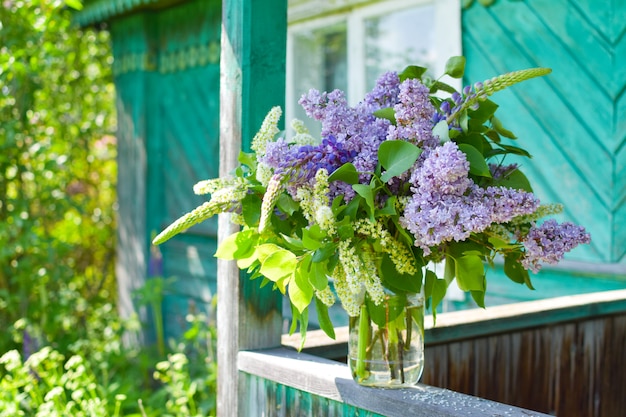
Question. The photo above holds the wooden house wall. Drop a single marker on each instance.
(167, 77)
(563, 357)
(572, 121)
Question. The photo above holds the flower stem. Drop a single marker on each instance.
(364, 330)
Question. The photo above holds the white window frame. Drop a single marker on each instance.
(316, 14)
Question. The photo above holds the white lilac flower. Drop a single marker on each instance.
(350, 300)
(399, 254)
(274, 187)
(326, 296)
(269, 129)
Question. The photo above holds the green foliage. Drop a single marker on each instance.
(98, 376)
(62, 351)
(57, 173)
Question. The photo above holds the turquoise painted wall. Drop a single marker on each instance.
(572, 121)
(167, 77)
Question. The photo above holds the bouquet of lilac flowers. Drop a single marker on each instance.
(412, 175)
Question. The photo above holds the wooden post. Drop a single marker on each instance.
(252, 79)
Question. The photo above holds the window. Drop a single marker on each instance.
(343, 44)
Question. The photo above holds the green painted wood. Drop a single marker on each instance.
(268, 398)
(167, 78)
(253, 55)
(571, 121)
(131, 102)
(97, 11)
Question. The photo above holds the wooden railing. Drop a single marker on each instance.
(563, 356)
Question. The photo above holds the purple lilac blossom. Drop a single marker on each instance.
(303, 162)
(414, 115)
(384, 94)
(549, 242)
(448, 206)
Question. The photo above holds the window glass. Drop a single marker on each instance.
(320, 61)
(398, 39)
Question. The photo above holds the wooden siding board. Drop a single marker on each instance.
(132, 248)
(607, 16)
(561, 369)
(579, 145)
(270, 399)
(555, 94)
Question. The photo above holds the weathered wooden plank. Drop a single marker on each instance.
(252, 79)
(332, 380)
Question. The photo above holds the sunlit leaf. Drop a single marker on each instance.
(324, 319)
(277, 264)
(396, 156)
(455, 66)
(478, 165)
(412, 71)
(346, 173)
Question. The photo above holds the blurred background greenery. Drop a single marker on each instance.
(61, 348)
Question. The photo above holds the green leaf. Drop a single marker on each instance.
(514, 269)
(238, 245)
(484, 112)
(317, 275)
(295, 316)
(292, 243)
(516, 180)
(386, 311)
(346, 173)
(498, 127)
(412, 72)
(470, 273)
(251, 209)
(324, 319)
(442, 131)
(313, 238)
(300, 291)
(455, 66)
(396, 156)
(438, 85)
(479, 298)
(389, 209)
(478, 165)
(367, 193)
(440, 287)
(399, 282)
(449, 271)
(304, 324)
(387, 113)
(74, 4)
(278, 264)
(509, 149)
(247, 158)
(285, 204)
(324, 253)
